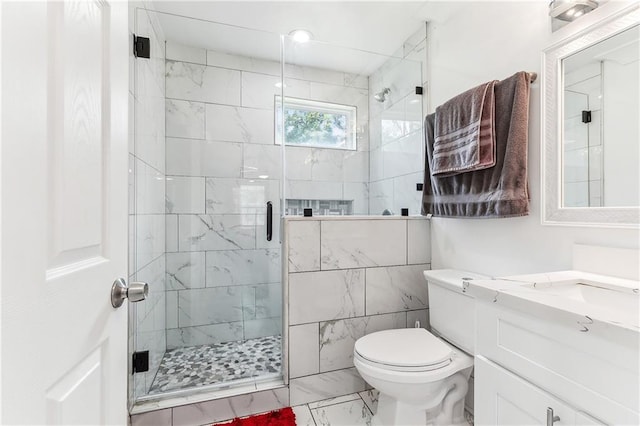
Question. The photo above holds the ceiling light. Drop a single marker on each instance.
(279, 85)
(568, 10)
(300, 36)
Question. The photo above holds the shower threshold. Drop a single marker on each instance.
(218, 366)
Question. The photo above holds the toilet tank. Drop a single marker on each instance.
(451, 312)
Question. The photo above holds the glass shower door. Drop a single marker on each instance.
(220, 289)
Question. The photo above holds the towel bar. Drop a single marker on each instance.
(533, 76)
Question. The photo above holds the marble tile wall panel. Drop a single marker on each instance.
(304, 190)
(185, 270)
(405, 194)
(418, 241)
(262, 327)
(337, 338)
(325, 385)
(396, 288)
(262, 161)
(403, 156)
(171, 233)
(359, 194)
(184, 119)
(150, 238)
(318, 75)
(150, 313)
(268, 301)
(238, 267)
(243, 63)
(229, 408)
(362, 243)
(325, 295)
(193, 82)
(179, 52)
(209, 306)
(299, 162)
(241, 195)
(304, 246)
(185, 195)
(216, 232)
(149, 123)
(304, 347)
(238, 124)
(172, 310)
(205, 334)
(190, 157)
(356, 166)
(260, 90)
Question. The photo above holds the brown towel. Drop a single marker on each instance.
(500, 191)
(464, 137)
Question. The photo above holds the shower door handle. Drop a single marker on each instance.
(269, 220)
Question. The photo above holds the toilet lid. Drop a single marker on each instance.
(407, 347)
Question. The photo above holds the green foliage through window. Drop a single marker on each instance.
(318, 124)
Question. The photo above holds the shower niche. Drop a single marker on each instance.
(214, 167)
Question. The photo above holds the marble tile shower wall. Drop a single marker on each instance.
(223, 277)
(147, 194)
(347, 278)
(329, 174)
(396, 139)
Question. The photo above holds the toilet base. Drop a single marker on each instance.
(392, 412)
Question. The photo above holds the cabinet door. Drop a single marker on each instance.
(502, 398)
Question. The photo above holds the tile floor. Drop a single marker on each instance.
(349, 410)
(195, 366)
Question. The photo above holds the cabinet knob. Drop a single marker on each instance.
(551, 419)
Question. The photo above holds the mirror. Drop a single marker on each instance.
(591, 146)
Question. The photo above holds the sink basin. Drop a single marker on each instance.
(599, 295)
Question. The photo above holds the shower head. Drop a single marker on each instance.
(382, 96)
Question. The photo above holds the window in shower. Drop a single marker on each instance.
(317, 124)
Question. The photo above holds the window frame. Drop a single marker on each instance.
(351, 112)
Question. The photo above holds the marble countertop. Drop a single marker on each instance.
(599, 304)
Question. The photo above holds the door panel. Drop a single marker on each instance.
(502, 398)
(63, 171)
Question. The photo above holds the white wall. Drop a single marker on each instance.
(470, 43)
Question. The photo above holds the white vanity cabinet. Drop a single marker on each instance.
(527, 363)
(503, 398)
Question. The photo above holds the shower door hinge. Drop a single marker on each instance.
(141, 47)
(140, 362)
(586, 116)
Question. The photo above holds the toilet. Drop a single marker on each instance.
(423, 376)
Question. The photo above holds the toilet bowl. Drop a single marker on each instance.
(423, 378)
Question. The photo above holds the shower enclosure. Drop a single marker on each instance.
(233, 129)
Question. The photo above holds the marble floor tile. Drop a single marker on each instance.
(303, 416)
(347, 413)
(203, 365)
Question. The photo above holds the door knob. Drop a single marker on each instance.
(134, 292)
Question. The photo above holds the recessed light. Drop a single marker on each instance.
(300, 35)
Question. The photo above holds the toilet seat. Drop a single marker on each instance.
(404, 350)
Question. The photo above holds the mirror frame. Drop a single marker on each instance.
(553, 213)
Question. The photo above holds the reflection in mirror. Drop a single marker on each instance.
(601, 138)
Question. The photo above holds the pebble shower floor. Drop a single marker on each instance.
(195, 366)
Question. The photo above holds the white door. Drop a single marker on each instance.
(63, 176)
